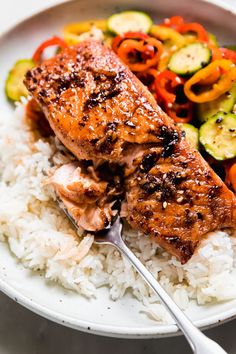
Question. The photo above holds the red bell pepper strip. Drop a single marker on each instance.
(148, 78)
(165, 84)
(173, 22)
(178, 24)
(196, 28)
(181, 113)
(228, 54)
(37, 56)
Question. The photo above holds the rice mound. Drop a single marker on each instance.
(42, 238)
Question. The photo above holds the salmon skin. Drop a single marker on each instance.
(101, 112)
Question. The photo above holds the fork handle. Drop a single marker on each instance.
(198, 341)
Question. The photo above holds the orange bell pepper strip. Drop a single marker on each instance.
(230, 177)
(128, 35)
(149, 50)
(215, 51)
(222, 85)
(212, 78)
(37, 56)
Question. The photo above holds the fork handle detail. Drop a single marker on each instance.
(198, 341)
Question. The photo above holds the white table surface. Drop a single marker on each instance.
(22, 332)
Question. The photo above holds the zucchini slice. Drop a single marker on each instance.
(218, 136)
(189, 59)
(192, 135)
(129, 21)
(224, 103)
(14, 86)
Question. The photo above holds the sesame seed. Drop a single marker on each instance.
(178, 80)
(164, 205)
(180, 199)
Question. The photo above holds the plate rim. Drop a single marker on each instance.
(156, 331)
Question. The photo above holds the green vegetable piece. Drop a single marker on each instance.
(231, 47)
(218, 136)
(189, 59)
(14, 86)
(192, 135)
(129, 21)
(224, 103)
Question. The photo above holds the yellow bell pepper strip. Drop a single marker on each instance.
(190, 38)
(73, 30)
(166, 34)
(164, 60)
(212, 39)
(171, 39)
(222, 85)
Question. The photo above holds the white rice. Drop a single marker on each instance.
(41, 237)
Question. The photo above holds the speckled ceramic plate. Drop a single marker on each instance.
(101, 315)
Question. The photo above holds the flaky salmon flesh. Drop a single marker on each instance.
(101, 112)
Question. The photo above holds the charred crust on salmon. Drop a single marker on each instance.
(148, 161)
(170, 137)
(186, 248)
(111, 126)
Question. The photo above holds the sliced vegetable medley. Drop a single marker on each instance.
(190, 75)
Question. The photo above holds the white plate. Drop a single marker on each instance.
(101, 316)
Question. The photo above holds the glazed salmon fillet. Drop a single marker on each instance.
(101, 112)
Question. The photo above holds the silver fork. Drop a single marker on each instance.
(198, 341)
